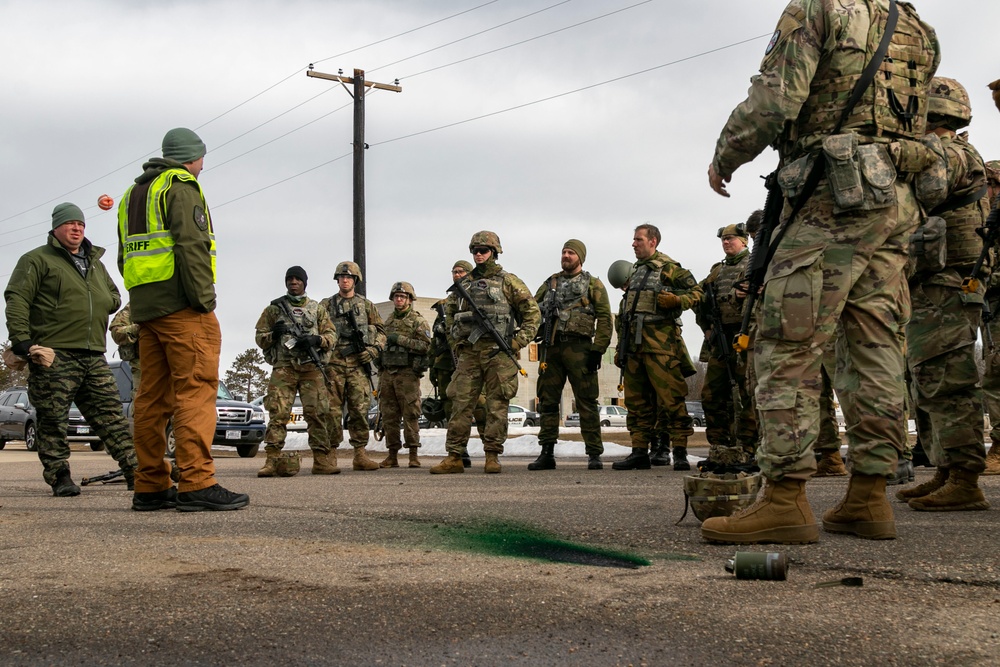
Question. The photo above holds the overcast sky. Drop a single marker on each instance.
(90, 87)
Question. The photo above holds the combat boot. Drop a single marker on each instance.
(361, 460)
(414, 461)
(270, 465)
(864, 511)
(390, 461)
(546, 460)
(325, 463)
(681, 458)
(961, 493)
(904, 473)
(450, 465)
(992, 461)
(594, 462)
(492, 466)
(830, 464)
(780, 515)
(920, 490)
(919, 456)
(129, 475)
(660, 456)
(466, 460)
(64, 487)
(637, 460)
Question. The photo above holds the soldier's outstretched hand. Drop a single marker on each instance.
(717, 182)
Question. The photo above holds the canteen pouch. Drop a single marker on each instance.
(928, 246)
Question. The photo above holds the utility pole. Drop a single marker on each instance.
(358, 93)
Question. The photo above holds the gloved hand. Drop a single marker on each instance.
(21, 349)
(668, 300)
(368, 355)
(43, 356)
(279, 329)
(307, 342)
(516, 346)
(593, 361)
(392, 339)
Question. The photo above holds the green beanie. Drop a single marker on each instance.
(465, 265)
(183, 145)
(66, 212)
(578, 248)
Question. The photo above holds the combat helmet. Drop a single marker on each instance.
(488, 239)
(739, 229)
(619, 273)
(949, 100)
(404, 287)
(348, 269)
(710, 495)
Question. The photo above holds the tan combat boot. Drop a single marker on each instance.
(450, 465)
(780, 515)
(414, 461)
(992, 461)
(361, 460)
(961, 493)
(864, 510)
(830, 464)
(928, 487)
(492, 466)
(325, 463)
(269, 469)
(390, 461)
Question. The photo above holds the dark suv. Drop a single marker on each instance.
(17, 418)
(238, 424)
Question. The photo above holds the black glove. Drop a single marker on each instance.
(278, 329)
(307, 342)
(392, 339)
(593, 361)
(21, 349)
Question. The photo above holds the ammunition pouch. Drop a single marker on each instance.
(861, 176)
(928, 246)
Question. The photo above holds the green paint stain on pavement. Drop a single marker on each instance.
(518, 541)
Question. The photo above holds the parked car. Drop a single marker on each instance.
(238, 424)
(297, 421)
(696, 412)
(79, 430)
(611, 415)
(518, 416)
(17, 418)
(422, 421)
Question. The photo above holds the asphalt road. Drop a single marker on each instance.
(399, 567)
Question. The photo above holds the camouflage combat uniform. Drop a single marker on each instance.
(716, 393)
(991, 373)
(443, 367)
(582, 326)
(656, 359)
(63, 302)
(348, 379)
(505, 299)
(403, 361)
(941, 335)
(125, 334)
(293, 371)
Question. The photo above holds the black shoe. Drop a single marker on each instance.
(594, 462)
(129, 476)
(155, 500)
(212, 498)
(920, 457)
(681, 459)
(64, 486)
(466, 461)
(661, 457)
(545, 460)
(637, 460)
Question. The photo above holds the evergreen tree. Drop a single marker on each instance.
(246, 376)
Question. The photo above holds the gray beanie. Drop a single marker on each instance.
(183, 145)
(66, 212)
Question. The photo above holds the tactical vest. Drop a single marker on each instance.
(148, 256)
(644, 300)
(962, 244)
(305, 316)
(340, 306)
(577, 316)
(895, 105)
(397, 356)
(730, 307)
(487, 293)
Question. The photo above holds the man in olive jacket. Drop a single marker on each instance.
(58, 302)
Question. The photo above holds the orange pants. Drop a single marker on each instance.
(180, 378)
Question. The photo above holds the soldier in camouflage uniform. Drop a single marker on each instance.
(125, 334)
(575, 332)
(508, 305)
(840, 259)
(295, 333)
(58, 300)
(941, 335)
(404, 360)
(651, 349)
(717, 393)
(829, 462)
(349, 378)
(991, 374)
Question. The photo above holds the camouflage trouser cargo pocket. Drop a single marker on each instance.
(792, 294)
(508, 376)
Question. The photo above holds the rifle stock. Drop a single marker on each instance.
(487, 326)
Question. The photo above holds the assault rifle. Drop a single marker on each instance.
(356, 339)
(547, 332)
(624, 342)
(487, 327)
(727, 354)
(110, 476)
(295, 329)
(760, 257)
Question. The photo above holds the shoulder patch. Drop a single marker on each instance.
(200, 219)
(774, 40)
